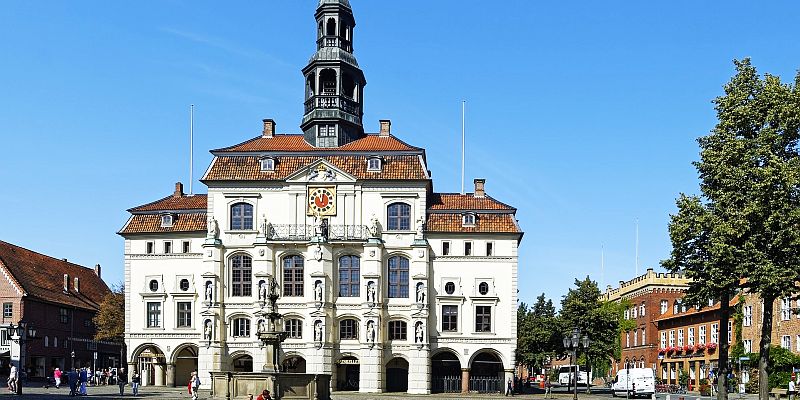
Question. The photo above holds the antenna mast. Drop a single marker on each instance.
(463, 111)
(191, 147)
(637, 246)
(602, 268)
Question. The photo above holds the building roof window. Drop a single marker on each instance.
(374, 164)
(267, 164)
(468, 219)
(167, 220)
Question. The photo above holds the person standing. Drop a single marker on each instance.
(12, 379)
(72, 376)
(194, 385)
(509, 387)
(548, 393)
(57, 377)
(135, 383)
(82, 378)
(792, 389)
(122, 380)
(264, 395)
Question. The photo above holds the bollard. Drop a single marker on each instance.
(669, 396)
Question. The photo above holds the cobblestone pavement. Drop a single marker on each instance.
(36, 392)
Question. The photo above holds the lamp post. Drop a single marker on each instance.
(572, 342)
(72, 355)
(20, 335)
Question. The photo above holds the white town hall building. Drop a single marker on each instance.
(384, 284)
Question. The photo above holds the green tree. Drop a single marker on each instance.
(110, 318)
(538, 332)
(582, 307)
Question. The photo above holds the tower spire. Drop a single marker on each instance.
(334, 83)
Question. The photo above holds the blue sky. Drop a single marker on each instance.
(583, 115)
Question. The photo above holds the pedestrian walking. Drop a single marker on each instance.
(57, 377)
(792, 389)
(510, 387)
(12, 379)
(194, 385)
(82, 378)
(72, 376)
(135, 383)
(548, 389)
(122, 380)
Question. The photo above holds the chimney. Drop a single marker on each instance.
(386, 127)
(269, 128)
(66, 282)
(178, 190)
(479, 191)
(97, 270)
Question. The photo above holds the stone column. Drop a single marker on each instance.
(371, 368)
(170, 375)
(464, 380)
(419, 374)
(159, 373)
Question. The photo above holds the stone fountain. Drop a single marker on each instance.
(282, 385)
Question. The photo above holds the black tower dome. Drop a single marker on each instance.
(334, 82)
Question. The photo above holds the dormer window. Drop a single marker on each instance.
(267, 164)
(166, 220)
(374, 164)
(468, 219)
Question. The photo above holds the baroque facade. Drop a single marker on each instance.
(384, 284)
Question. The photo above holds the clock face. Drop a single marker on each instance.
(322, 201)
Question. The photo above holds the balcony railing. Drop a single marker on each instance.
(335, 41)
(332, 102)
(304, 232)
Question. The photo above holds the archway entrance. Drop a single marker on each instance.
(397, 375)
(348, 372)
(486, 373)
(151, 365)
(242, 363)
(185, 363)
(294, 364)
(446, 376)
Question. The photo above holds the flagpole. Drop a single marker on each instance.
(191, 147)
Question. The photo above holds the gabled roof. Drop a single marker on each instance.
(42, 277)
(248, 168)
(297, 143)
(484, 223)
(175, 203)
(151, 223)
(465, 202)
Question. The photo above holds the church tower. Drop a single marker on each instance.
(334, 82)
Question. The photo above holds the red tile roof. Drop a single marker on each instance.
(484, 223)
(248, 168)
(42, 277)
(172, 203)
(151, 223)
(296, 142)
(456, 201)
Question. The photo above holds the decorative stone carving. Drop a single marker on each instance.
(213, 229)
(317, 331)
(207, 329)
(318, 291)
(209, 292)
(419, 331)
(420, 228)
(371, 291)
(371, 332)
(374, 229)
(420, 293)
(262, 291)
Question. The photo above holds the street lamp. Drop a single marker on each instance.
(20, 335)
(72, 354)
(571, 343)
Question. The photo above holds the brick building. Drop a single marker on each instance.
(649, 295)
(57, 298)
(689, 341)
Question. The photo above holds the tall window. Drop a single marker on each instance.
(671, 338)
(153, 315)
(8, 310)
(348, 329)
(399, 217)
(483, 319)
(663, 306)
(445, 248)
(680, 338)
(397, 330)
(730, 331)
(633, 312)
(701, 334)
(786, 342)
(63, 315)
(293, 276)
(398, 277)
(241, 216)
(449, 318)
(747, 316)
(663, 339)
(627, 339)
(184, 314)
(349, 276)
(241, 275)
(714, 333)
(690, 339)
(294, 328)
(786, 309)
(748, 345)
(241, 327)
(643, 341)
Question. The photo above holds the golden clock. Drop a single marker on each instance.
(322, 200)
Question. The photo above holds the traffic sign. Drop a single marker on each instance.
(745, 358)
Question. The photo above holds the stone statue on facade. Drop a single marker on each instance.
(318, 252)
(212, 228)
(420, 293)
(262, 291)
(371, 292)
(371, 331)
(209, 292)
(263, 227)
(373, 226)
(207, 330)
(420, 227)
(318, 331)
(318, 291)
(418, 336)
(262, 326)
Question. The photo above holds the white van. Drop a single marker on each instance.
(566, 375)
(635, 381)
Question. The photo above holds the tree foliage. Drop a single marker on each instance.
(110, 319)
(538, 332)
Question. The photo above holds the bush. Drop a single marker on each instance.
(752, 385)
(705, 389)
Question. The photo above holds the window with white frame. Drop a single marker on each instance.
(397, 330)
(701, 334)
(167, 247)
(786, 342)
(671, 338)
(641, 309)
(747, 315)
(643, 341)
(467, 248)
(374, 164)
(489, 249)
(635, 338)
(294, 328)
(627, 314)
(241, 327)
(483, 319)
(166, 220)
(633, 312)
(786, 309)
(663, 339)
(268, 164)
(730, 331)
(468, 219)
(449, 318)
(149, 247)
(714, 333)
(153, 314)
(184, 314)
(627, 339)
(445, 248)
(664, 305)
(680, 337)
(690, 337)
(241, 216)
(185, 245)
(748, 345)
